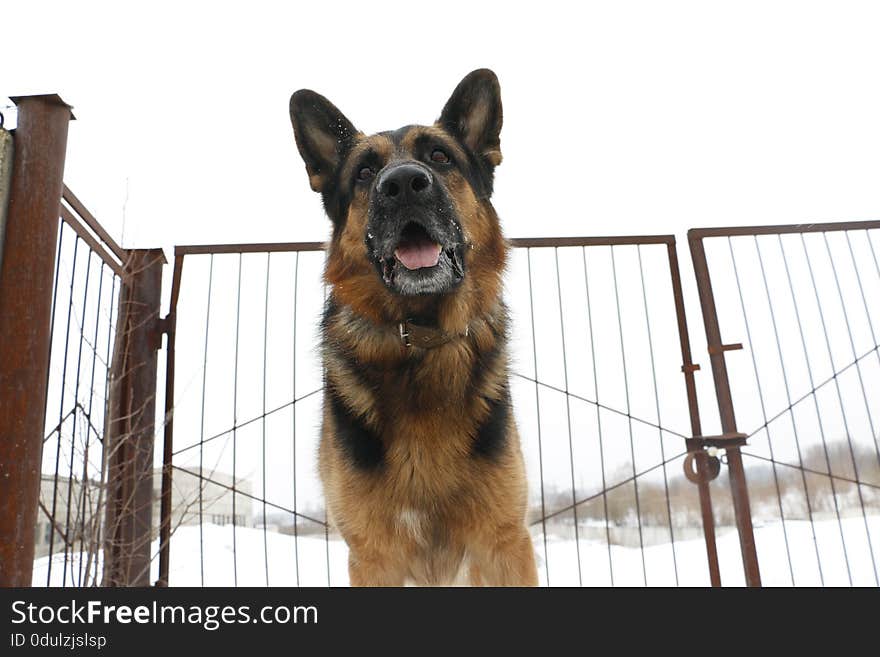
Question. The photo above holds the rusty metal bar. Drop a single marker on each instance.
(92, 223)
(26, 281)
(738, 487)
(68, 217)
(280, 247)
(170, 325)
(734, 231)
(518, 242)
(128, 442)
(620, 240)
(688, 368)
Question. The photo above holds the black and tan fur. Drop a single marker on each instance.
(419, 457)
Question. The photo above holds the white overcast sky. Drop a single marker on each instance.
(623, 117)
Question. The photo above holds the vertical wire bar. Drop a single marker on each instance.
(788, 396)
(89, 425)
(852, 256)
(767, 426)
(202, 430)
(632, 448)
(865, 399)
(816, 403)
(598, 418)
(61, 419)
(873, 252)
(265, 348)
(70, 542)
(55, 296)
(326, 516)
(657, 404)
(577, 541)
(49, 370)
(97, 526)
(842, 407)
(293, 411)
(852, 343)
(538, 411)
(235, 426)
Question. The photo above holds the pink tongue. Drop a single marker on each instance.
(418, 253)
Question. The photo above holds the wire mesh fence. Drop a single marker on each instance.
(68, 532)
(599, 347)
(599, 397)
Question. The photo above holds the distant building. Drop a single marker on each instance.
(83, 523)
(216, 504)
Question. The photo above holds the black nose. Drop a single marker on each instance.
(405, 182)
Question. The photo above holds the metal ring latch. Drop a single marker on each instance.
(692, 471)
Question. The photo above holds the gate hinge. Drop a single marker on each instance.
(163, 324)
(162, 327)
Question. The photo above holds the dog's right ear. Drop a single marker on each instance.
(323, 135)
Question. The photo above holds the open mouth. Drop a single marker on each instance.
(419, 264)
(416, 249)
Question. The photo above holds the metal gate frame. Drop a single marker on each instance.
(731, 438)
(700, 467)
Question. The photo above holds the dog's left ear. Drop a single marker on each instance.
(473, 115)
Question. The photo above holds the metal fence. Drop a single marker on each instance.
(805, 303)
(625, 487)
(84, 305)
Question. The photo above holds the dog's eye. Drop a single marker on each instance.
(439, 156)
(365, 173)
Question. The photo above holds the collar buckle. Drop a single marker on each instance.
(403, 328)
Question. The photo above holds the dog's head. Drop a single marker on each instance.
(410, 208)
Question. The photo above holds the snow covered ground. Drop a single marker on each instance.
(212, 559)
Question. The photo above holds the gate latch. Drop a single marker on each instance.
(721, 441)
(697, 444)
(721, 348)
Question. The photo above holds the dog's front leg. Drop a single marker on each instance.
(368, 568)
(507, 561)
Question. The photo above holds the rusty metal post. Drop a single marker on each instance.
(688, 368)
(26, 280)
(128, 442)
(738, 488)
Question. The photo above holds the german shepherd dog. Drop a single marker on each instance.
(419, 456)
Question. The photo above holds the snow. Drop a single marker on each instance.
(312, 560)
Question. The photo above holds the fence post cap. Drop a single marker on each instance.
(52, 99)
